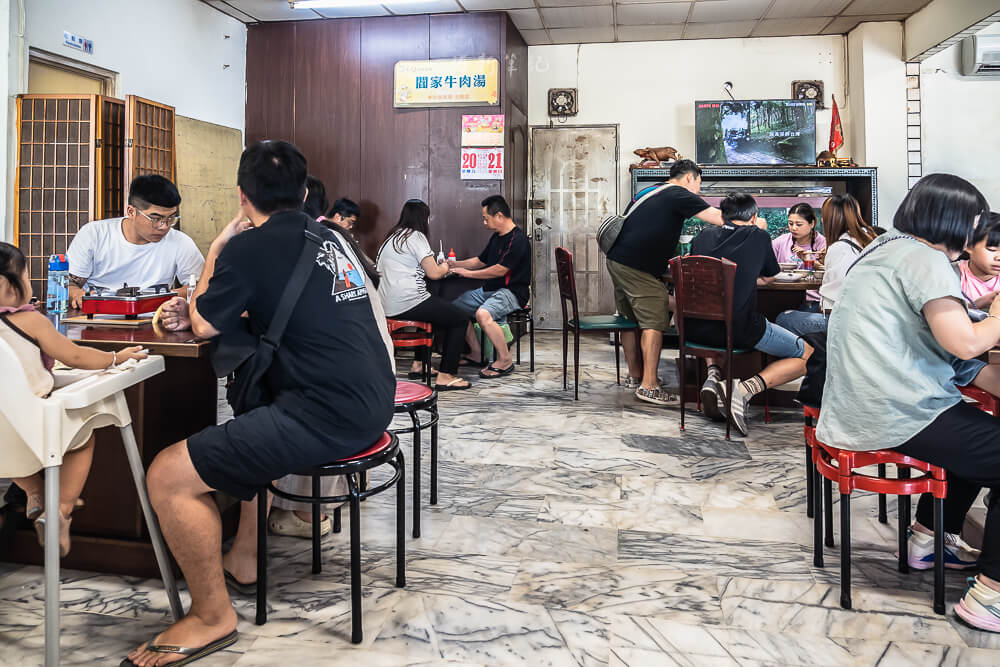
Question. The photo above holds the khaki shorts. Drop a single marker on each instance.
(639, 296)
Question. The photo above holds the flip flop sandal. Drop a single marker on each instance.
(450, 386)
(191, 654)
(419, 375)
(465, 361)
(237, 586)
(500, 372)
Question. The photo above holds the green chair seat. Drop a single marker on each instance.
(604, 323)
(736, 350)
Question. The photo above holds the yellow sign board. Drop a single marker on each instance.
(452, 82)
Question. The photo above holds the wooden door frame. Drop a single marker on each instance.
(530, 218)
(108, 78)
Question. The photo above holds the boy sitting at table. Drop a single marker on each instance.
(743, 239)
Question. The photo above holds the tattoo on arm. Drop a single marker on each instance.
(77, 281)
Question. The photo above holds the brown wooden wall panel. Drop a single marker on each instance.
(270, 110)
(455, 204)
(515, 101)
(327, 83)
(395, 141)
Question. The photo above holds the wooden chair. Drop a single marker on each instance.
(585, 324)
(416, 336)
(703, 289)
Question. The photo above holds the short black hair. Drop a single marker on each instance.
(316, 201)
(153, 190)
(681, 167)
(12, 265)
(496, 204)
(988, 229)
(272, 175)
(346, 208)
(738, 206)
(942, 208)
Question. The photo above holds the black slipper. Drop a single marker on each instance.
(465, 361)
(237, 586)
(190, 654)
(452, 387)
(419, 375)
(500, 372)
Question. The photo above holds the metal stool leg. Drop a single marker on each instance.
(828, 510)
(810, 500)
(531, 342)
(317, 565)
(434, 454)
(845, 550)
(416, 473)
(817, 518)
(401, 522)
(882, 515)
(156, 537)
(336, 520)
(356, 632)
(517, 340)
(52, 566)
(261, 556)
(939, 555)
(903, 512)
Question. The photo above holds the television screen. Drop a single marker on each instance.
(759, 132)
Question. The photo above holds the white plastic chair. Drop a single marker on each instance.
(36, 432)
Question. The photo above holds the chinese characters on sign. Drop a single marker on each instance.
(446, 82)
(482, 130)
(482, 163)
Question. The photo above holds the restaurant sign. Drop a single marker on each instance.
(452, 82)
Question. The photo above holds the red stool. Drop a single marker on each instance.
(416, 336)
(412, 398)
(839, 465)
(386, 450)
(982, 399)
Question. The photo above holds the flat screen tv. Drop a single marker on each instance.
(755, 132)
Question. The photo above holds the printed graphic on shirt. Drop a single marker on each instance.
(348, 281)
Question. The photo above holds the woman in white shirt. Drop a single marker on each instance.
(404, 261)
(842, 220)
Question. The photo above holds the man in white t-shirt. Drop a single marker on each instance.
(141, 249)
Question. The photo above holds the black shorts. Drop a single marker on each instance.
(246, 453)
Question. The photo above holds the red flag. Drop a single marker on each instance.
(836, 129)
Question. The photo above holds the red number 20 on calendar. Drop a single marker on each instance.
(482, 163)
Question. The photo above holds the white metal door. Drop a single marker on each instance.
(574, 186)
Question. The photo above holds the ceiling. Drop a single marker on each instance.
(576, 21)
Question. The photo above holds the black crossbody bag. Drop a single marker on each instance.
(248, 356)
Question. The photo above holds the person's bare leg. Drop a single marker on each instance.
(633, 353)
(475, 349)
(652, 343)
(241, 559)
(34, 487)
(73, 476)
(987, 380)
(785, 370)
(495, 335)
(192, 527)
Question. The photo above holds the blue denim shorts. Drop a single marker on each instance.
(780, 343)
(498, 304)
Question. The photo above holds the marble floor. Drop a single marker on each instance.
(567, 533)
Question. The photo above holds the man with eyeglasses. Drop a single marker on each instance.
(141, 249)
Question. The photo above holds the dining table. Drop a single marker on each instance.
(109, 534)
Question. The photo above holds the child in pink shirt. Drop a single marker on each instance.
(980, 274)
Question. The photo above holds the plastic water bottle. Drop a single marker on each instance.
(57, 292)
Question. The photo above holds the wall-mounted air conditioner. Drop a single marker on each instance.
(981, 55)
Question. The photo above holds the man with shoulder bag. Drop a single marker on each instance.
(317, 385)
(637, 261)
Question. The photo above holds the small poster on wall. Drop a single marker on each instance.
(482, 130)
(482, 163)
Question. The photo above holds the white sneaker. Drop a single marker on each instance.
(739, 407)
(957, 554)
(980, 606)
(713, 398)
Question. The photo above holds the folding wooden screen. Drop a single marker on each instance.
(149, 144)
(76, 156)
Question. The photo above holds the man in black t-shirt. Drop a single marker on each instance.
(637, 263)
(332, 381)
(505, 265)
(743, 239)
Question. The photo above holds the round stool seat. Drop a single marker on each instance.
(410, 392)
(383, 444)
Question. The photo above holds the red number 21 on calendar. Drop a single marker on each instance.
(496, 160)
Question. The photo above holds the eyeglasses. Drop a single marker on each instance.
(160, 222)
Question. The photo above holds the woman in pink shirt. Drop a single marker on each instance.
(801, 238)
(980, 273)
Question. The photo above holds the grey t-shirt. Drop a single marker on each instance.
(402, 286)
(887, 377)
